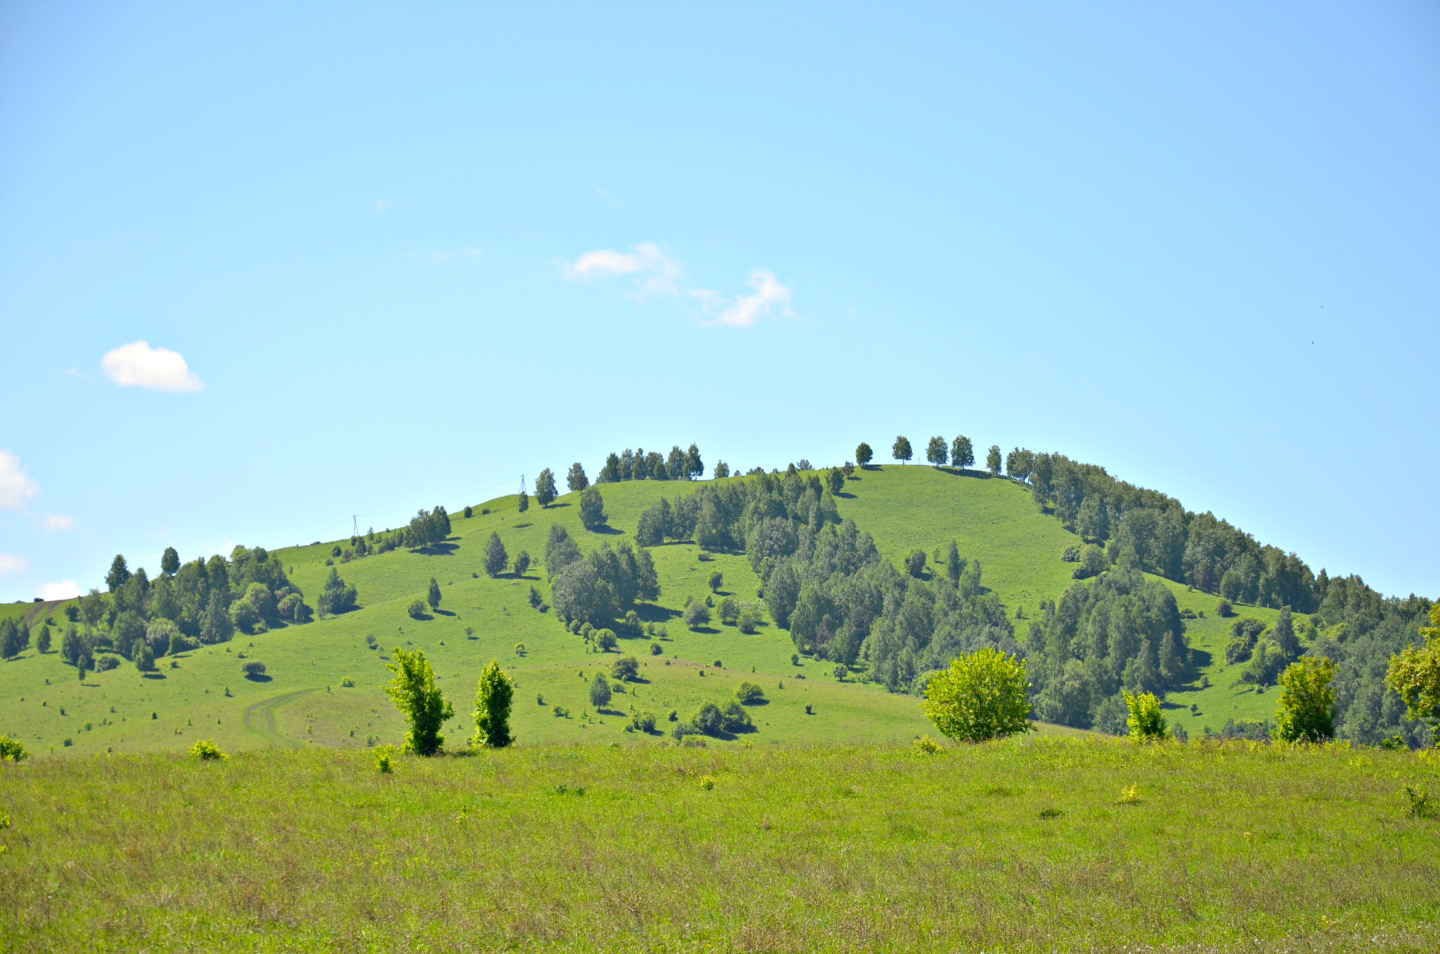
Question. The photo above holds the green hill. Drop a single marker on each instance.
(300, 701)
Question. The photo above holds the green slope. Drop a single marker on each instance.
(301, 703)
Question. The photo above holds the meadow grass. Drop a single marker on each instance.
(1021, 845)
(300, 702)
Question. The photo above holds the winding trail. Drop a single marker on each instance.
(260, 718)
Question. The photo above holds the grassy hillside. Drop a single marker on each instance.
(300, 702)
(1011, 846)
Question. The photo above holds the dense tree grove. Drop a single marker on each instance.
(1120, 632)
(195, 603)
(1348, 621)
(638, 465)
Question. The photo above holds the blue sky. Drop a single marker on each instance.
(384, 256)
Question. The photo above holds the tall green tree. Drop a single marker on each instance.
(694, 466)
(1414, 674)
(962, 453)
(522, 563)
(600, 691)
(545, 488)
(493, 696)
(576, 479)
(119, 573)
(592, 509)
(954, 566)
(992, 460)
(675, 465)
(170, 562)
(901, 450)
(495, 556)
(863, 454)
(432, 596)
(936, 452)
(524, 501)
(414, 693)
(14, 637)
(983, 695)
(1307, 701)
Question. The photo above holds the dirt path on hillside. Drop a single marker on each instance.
(260, 718)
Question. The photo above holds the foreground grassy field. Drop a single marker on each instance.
(1012, 846)
(300, 702)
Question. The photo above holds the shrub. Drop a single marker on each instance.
(749, 622)
(927, 746)
(728, 611)
(707, 782)
(915, 563)
(416, 609)
(600, 691)
(626, 668)
(1223, 608)
(841, 671)
(606, 640)
(347, 682)
(708, 719)
(736, 718)
(522, 563)
(749, 693)
(1071, 554)
(493, 697)
(207, 751)
(106, 662)
(144, 658)
(717, 580)
(12, 750)
(656, 649)
(253, 669)
(1414, 675)
(414, 693)
(383, 760)
(1307, 701)
(643, 721)
(560, 712)
(982, 696)
(1146, 722)
(535, 598)
(696, 615)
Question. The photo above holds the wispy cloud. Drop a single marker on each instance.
(16, 487)
(137, 365)
(63, 590)
(456, 255)
(10, 563)
(54, 521)
(656, 273)
(767, 297)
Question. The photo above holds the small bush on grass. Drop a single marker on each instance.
(1146, 722)
(347, 682)
(927, 746)
(1307, 701)
(982, 696)
(12, 750)
(748, 693)
(749, 622)
(207, 751)
(253, 669)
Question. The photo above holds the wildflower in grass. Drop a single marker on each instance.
(707, 782)
(1129, 795)
(982, 696)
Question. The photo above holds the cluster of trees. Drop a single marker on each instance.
(201, 602)
(1118, 633)
(598, 587)
(638, 465)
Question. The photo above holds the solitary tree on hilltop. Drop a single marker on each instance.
(863, 454)
(992, 460)
(935, 451)
(545, 487)
(576, 479)
(901, 451)
(694, 466)
(962, 453)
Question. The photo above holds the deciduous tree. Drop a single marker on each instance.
(545, 488)
(992, 460)
(901, 450)
(982, 696)
(493, 697)
(962, 452)
(495, 556)
(576, 479)
(1307, 701)
(936, 451)
(863, 454)
(592, 509)
(414, 693)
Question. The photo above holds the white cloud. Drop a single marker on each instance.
(54, 521)
(10, 563)
(137, 365)
(656, 273)
(768, 295)
(64, 590)
(16, 487)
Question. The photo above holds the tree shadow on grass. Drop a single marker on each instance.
(976, 474)
(440, 612)
(438, 549)
(652, 613)
(259, 677)
(705, 630)
(845, 496)
(152, 675)
(606, 530)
